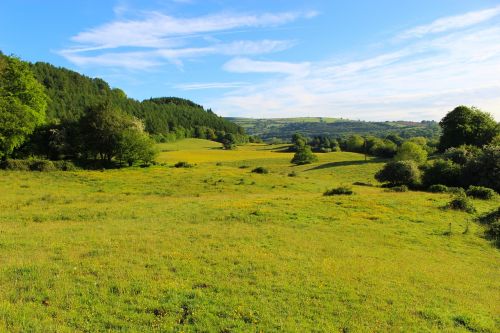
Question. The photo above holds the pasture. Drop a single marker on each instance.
(217, 248)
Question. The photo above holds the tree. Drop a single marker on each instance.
(135, 145)
(355, 143)
(229, 141)
(467, 126)
(410, 151)
(399, 173)
(304, 155)
(22, 104)
(102, 128)
(444, 172)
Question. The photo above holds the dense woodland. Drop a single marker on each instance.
(71, 93)
(57, 114)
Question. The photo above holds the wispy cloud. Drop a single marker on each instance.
(244, 65)
(451, 23)
(422, 79)
(158, 36)
(210, 85)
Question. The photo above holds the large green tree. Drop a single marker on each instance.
(410, 151)
(22, 103)
(467, 126)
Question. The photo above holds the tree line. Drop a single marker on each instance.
(58, 114)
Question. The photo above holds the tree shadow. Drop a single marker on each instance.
(345, 163)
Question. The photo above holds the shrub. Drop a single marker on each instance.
(260, 170)
(15, 165)
(399, 173)
(410, 151)
(183, 165)
(443, 172)
(492, 222)
(401, 188)
(293, 174)
(342, 190)
(461, 202)
(438, 188)
(480, 192)
(42, 165)
(65, 165)
(456, 190)
(304, 155)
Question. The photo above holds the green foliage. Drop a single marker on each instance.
(261, 170)
(36, 165)
(355, 143)
(229, 141)
(463, 154)
(102, 128)
(341, 190)
(467, 126)
(484, 170)
(22, 104)
(461, 202)
(283, 129)
(168, 118)
(135, 145)
(492, 222)
(410, 151)
(399, 173)
(480, 192)
(442, 172)
(304, 155)
(438, 188)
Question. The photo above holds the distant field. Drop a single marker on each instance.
(216, 248)
(284, 128)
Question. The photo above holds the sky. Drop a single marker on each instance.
(369, 60)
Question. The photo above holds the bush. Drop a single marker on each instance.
(304, 155)
(65, 165)
(480, 192)
(260, 170)
(342, 190)
(443, 172)
(15, 165)
(401, 188)
(410, 151)
(438, 188)
(461, 202)
(399, 173)
(183, 165)
(42, 165)
(492, 222)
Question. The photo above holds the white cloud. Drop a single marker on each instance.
(422, 80)
(210, 85)
(146, 42)
(156, 28)
(244, 65)
(451, 23)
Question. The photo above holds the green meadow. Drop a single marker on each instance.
(217, 248)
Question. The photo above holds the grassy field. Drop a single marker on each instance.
(216, 248)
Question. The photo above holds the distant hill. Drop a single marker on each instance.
(71, 93)
(284, 128)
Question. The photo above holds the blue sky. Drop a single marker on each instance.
(364, 59)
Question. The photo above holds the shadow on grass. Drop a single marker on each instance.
(345, 163)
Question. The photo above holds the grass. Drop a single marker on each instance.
(217, 248)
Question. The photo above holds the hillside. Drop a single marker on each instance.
(71, 93)
(284, 128)
(217, 248)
